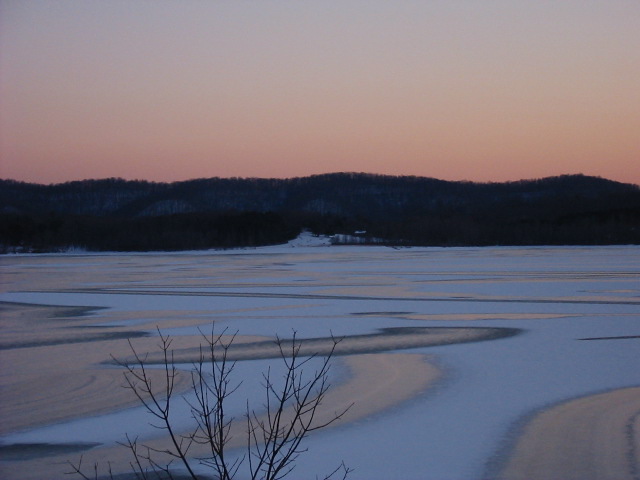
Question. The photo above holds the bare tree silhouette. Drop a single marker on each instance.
(273, 439)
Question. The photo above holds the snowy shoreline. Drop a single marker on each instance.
(306, 240)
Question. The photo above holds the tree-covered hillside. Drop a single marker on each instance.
(115, 214)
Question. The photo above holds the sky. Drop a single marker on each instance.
(492, 90)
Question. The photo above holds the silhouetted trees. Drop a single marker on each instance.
(190, 231)
(115, 214)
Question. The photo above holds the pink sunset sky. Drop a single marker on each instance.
(454, 89)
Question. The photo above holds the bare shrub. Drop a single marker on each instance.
(273, 439)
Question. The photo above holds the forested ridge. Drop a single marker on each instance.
(120, 215)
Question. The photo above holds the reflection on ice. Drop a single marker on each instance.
(456, 429)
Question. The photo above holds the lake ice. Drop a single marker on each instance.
(578, 309)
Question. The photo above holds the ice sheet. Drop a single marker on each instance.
(560, 296)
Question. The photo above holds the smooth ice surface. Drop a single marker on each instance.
(572, 304)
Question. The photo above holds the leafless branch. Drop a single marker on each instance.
(273, 439)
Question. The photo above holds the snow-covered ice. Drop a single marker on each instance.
(560, 297)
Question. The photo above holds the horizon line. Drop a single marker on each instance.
(118, 178)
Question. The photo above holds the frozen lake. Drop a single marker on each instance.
(575, 311)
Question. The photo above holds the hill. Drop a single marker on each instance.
(115, 214)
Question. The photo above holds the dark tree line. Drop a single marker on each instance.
(191, 231)
(115, 214)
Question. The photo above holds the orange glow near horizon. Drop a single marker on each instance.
(457, 91)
